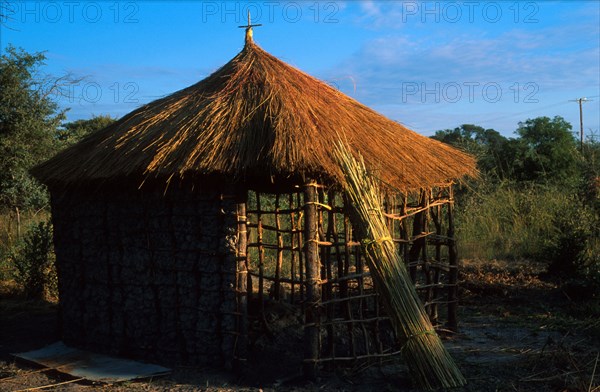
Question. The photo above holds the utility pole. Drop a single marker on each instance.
(581, 101)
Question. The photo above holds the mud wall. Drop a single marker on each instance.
(148, 274)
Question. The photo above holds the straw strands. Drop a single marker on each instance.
(429, 361)
(255, 117)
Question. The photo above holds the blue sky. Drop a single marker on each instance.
(429, 65)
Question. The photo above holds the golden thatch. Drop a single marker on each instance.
(256, 117)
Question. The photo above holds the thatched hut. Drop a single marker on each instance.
(166, 244)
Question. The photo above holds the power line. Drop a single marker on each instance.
(527, 111)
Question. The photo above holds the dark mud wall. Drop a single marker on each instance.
(148, 275)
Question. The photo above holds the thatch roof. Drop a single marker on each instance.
(256, 117)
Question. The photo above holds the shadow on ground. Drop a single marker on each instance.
(518, 332)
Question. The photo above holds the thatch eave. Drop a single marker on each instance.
(256, 117)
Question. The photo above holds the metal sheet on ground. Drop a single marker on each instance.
(89, 365)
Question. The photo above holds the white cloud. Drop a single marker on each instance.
(380, 14)
(549, 65)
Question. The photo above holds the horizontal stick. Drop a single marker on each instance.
(283, 211)
(50, 385)
(358, 357)
(440, 302)
(337, 300)
(274, 228)
(281, 279)
(415, 211)
(346, 277)
(353, 321)
(272, 246)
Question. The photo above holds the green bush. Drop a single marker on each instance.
(570, 251)
(574, 252)
(547, 224)
(508, 220)
(33, 263)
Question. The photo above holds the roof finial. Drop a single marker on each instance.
(248, 28)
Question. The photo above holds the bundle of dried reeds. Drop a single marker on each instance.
(430, 363)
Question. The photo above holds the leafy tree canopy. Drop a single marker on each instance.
(548, 151)
(494, 152)
(28, 122)
(545, 150)
(72, 132)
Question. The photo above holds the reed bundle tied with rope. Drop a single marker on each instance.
(429, 362)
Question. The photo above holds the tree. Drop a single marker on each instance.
(72, 132)
(545, 150)
(466, 137)
(5, 9)
(548, 151)
(494, 152)
(28, 123)
(590, 187)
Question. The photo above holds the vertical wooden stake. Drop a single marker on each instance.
(277, 292)
(330, 236)
(313, 288)
(418, 244)
(453, 273)
(240, 353)
(261, 258)
(300, 242)
(426, 268)
(293, 247)
(404, 234)
(437, 221)
(346, 271)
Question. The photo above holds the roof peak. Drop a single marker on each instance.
(248, 28)
(254, 118)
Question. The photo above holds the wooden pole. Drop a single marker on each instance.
(453, 273)
(313, 288)
(346, 272)
(261, 258)
(241, 290)
(330, 237)
(581, 123)
(437, 221)
(418, 244)
(425, 229)
(300, 242)
(277, 292)
(292, 245)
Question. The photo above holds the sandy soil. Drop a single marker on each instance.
(517, 333)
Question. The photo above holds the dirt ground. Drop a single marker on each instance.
(518, 332)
